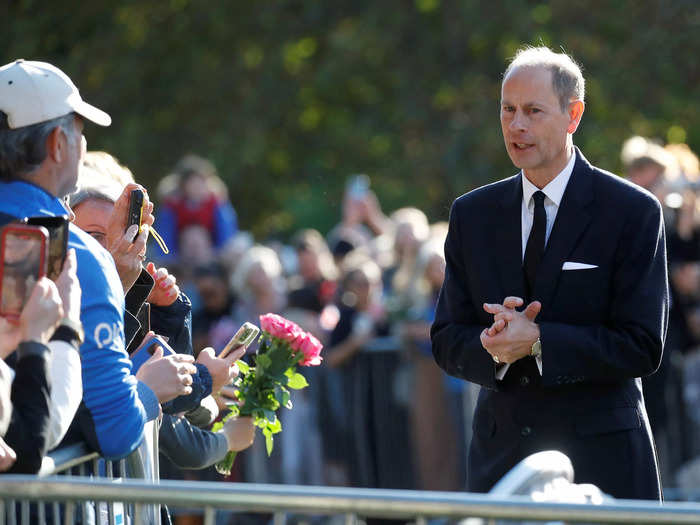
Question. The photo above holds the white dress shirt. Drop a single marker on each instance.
(554, 191)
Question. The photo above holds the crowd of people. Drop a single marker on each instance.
(379, 412)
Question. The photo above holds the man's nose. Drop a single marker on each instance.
(518, 121)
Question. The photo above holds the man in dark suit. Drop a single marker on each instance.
(584, 252)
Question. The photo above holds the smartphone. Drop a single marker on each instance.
(23, 250)
(145, 353)
(135, 210)
(58, 241)
(144, 318)
(245, 335)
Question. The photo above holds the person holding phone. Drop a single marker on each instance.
(47, 389)
(101, 206)
(41, 147)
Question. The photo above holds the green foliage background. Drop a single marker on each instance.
(289, 97)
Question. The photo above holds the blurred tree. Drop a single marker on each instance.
(289, 97)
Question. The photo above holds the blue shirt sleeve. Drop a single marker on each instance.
(109, 387)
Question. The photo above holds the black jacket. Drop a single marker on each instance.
(28, 432)
(601, 329)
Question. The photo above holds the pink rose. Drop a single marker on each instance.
(279, 327)
(311, 348)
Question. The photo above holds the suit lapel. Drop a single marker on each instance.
(573, 217)
(508, 240)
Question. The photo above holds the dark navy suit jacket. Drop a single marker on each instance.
(601, 329)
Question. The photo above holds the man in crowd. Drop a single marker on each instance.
(584, 252)
(41, 146)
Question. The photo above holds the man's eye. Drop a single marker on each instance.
(508, 109)
(535, 110)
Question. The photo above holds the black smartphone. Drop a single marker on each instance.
(135, 210)
(144, 318)
(58, 241)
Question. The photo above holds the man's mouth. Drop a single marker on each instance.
(522, 145)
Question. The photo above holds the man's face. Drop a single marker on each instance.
(75, 149)
(534, 126)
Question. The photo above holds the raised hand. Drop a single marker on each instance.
(120, 214)
(42, 313)
(222, 371)
(165, 289)
(168, 377)
(38, 319)
(128, 253)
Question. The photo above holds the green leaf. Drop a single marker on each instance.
(263, 361)
(275, 427)
(297, 382)
(281, 395)
(270, 415)
(243, 367)
(269, 443)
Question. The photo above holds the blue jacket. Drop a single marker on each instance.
(111, 395)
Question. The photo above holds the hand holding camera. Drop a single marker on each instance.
(127, 232)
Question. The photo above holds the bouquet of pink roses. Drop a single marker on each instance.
(263, 388)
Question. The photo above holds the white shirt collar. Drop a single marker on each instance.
(556, 187)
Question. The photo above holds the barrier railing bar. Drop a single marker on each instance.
(24, 506)
(70, 513)
(335, 500)
(209, 514)
(66, 458)
(138, 514)
(280, 518)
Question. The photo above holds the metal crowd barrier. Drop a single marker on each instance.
(413, 506)
(76, 463)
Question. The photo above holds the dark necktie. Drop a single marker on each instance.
(535, 243)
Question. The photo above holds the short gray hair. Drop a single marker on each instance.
(567, 79)
(22, 150)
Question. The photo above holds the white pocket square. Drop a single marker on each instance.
(569, 265)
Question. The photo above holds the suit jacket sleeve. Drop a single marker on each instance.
(630, 343)
(456, 330)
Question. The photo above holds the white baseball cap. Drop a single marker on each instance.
(34, 92)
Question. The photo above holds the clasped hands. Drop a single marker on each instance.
(513, 332)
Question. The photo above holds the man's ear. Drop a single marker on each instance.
(55, 145)
(575, 113)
